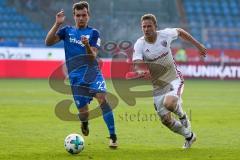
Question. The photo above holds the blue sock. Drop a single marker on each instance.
(108, 117)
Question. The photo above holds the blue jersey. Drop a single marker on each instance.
(78, 63)
(84, 74)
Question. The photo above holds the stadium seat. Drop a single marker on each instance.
(222, 16)
(16, 25)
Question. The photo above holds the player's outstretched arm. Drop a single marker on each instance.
(51, 37)
(188, 37)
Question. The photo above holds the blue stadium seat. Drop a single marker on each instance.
(2, 2)
(207, 10)
(189, 8)
(216, 10)
(235, 11)
(216, 14)
(14, 25)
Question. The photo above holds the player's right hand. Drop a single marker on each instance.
(60, 17)
(84, 40)
(144, 74)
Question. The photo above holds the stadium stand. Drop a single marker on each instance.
(216, 22)
(114, 19)
(17, 29)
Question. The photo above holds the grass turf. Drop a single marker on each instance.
(29, 128)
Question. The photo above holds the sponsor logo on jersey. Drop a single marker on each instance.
(164, 43)
(74, 40)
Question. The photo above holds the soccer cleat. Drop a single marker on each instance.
(189, 141)
(84, 128)
(113, 141)
(185, 122)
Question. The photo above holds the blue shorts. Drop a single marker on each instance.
(83, 92)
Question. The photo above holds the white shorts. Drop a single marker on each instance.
(176, 90)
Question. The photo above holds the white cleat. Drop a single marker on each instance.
(113, 141)
(112, 144)
(188, 143)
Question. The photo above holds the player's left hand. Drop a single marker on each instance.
(202, 50)
(84, 40)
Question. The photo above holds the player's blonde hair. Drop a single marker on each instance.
(151, 17)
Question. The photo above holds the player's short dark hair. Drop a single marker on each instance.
(149, 17)
(81, 5)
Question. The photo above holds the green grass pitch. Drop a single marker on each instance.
(29, 128)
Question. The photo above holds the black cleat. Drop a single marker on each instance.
(84, 128)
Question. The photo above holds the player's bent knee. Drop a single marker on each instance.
(83, 109)
(170, 102)
(101, 101)
(101, 98)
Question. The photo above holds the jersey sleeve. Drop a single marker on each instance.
(137, 52)
(95, 40)
(62, 33)
(172, 33)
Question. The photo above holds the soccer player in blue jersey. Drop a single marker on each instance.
(81, 44)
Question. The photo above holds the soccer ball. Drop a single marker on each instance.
(74, 143)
